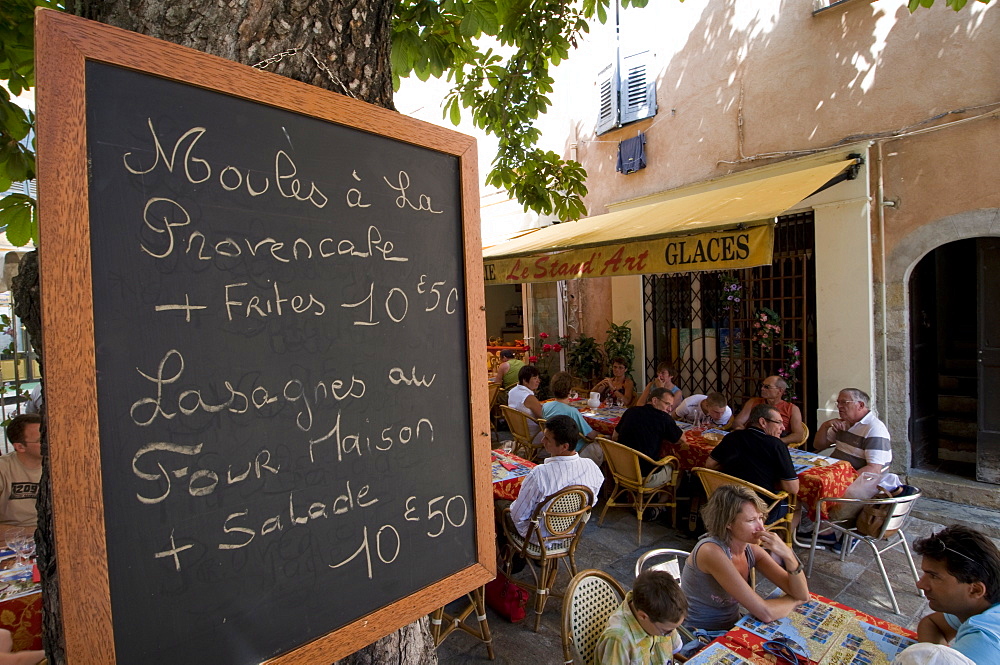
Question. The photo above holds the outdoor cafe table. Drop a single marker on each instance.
(818, 477)
(603, 419)
(21, 608)
(509, 471)
(750, 646)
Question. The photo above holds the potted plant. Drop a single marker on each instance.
(619, 344)
(584, 358)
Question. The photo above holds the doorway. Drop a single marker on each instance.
(952, 290)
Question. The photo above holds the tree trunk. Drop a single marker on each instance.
(339, 45)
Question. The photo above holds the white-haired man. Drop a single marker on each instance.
(858, 436)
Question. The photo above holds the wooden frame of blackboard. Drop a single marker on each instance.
(64, 45)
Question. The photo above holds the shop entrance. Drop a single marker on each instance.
(955, 360)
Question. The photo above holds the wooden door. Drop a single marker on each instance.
(988, 442)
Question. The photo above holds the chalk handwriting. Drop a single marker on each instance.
(162, 216)
(201, 482)
(357, 444)
(402, 201)
(398, 375)
(147, 410)
(264, 306)
(299, 513)
(230, 178)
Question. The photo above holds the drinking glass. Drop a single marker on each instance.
(26, 549)
(14, 539)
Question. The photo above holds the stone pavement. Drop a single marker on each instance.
(613, 548)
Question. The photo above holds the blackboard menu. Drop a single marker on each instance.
(281, 349)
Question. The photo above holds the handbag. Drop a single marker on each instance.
(873, 516)
(506, 598)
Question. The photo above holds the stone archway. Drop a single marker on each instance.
(899, 266)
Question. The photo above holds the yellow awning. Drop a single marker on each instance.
(727, 227)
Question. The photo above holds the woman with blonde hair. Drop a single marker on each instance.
(716, 575)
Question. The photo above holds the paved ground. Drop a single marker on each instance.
(613, 548)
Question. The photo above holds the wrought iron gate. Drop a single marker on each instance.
(691, 320)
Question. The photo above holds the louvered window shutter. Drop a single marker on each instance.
(638, 89)
(607, 86)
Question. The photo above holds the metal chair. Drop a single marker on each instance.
(673, 559)
(591, 597)
(553, 533)
(624, 464)
(672, 563)
(711, 479)
(521, 431)
(805, 437)
(897, 511)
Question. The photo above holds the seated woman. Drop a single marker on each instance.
(716, 575)
(508, 369)
(664, 379)
(561, 385)
(617, 385)
(522, 396)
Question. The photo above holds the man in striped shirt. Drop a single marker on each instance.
(858, 436)
(563, 467)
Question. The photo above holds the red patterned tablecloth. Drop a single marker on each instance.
(750, 646)
(814, 483)
(507, 488)
(22, 616)
(602, 419)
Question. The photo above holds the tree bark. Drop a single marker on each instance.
(339, 45)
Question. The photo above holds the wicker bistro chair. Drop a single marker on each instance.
(896, 511)
(553, 533)
(805, 437)
(624, 464)
(711, 479)
(519, 429)
(494, 411)
(591, 597)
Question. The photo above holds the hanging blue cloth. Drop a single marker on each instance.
(632, 154)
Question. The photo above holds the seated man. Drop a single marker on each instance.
(758, 456)
(20, 472)
(644, 628)
(858, 435)
(772, 393)
(961, 579)
(645, 428)
(709, 410)
(561, 469)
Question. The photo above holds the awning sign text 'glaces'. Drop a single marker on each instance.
(725, 250)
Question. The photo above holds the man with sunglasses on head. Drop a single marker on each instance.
(772, 393)
(858, 436)
(961, 579)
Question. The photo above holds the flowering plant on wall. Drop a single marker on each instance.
(766, 328)
(543, 353)
(789, 370)
(732, 290)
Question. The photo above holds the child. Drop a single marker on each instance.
(643, 629)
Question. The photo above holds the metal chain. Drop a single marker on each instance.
(333, 77)
(277, 57)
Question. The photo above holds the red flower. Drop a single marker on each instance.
(532, 359)
(547, 347)
(543, 335)
(557, 347)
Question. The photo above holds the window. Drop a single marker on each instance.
(627, 89)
